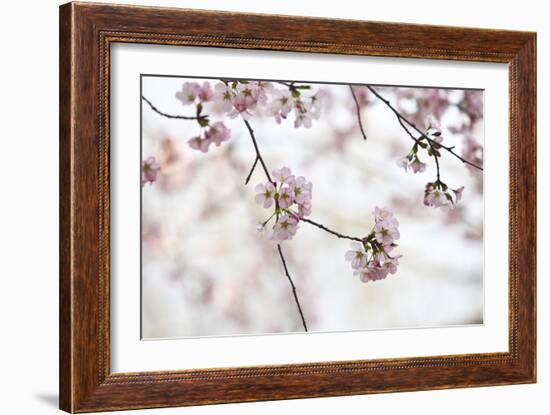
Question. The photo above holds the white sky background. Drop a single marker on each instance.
(211, 275)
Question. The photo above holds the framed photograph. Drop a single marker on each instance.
(260, 207)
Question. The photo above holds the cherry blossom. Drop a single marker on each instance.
(290, 198)
(285, 228)
(218, 133)
(265, 194)
(188, 93)
(357, 255)
(386, 232)
(283, 175)
(205, 92)
(149, 170)
(370, 258)
(281, 104)
(223, 97)
(412, 162)
(417, 166)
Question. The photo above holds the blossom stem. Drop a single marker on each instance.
(179, 117)
(403, 119)
(358, 109)
(436, 161)
(293, 287)
(337, 234)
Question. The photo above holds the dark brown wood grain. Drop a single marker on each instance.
(86, 33)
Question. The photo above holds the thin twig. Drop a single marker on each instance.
(293, 287)
(283, 260)
(251, 170)
(422, 134)
(179, 117)
(337, 234)
(358, 108)
(258, 154)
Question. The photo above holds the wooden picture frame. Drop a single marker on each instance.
(86, 33)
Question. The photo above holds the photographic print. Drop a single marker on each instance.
(290, 206)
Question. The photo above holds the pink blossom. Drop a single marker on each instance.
(248, 93)
(357, 255)
(199, 143)
(240, 107)
(263, 90)
(386, 232)
(303, 118)
(218, 133)
(381, 214)
(458, 193)
(412, 162)
(280, 105)
(301, 189)
(285, 197)
(188, 93)
(435, 197)
(205, 93)
(392, 263)
(374, 271)
(379, 243)
(304, 209)
(285, 228)
(385, 215)
(316, 101)
(149, 170)
(292, 197)
(223, 97)
(283, 175)
(417, 166)
(265, 194)
(403, 162)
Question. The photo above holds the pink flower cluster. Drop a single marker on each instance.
(215, 133)
(370, 259)
(411, 161)
(192, 93)
(437, 194)
(290, 198)
(149, 170)
(247, 98)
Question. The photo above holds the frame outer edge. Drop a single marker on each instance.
(82, 387)
(66, 119)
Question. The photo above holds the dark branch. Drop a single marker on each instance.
(358, 109)
(293, 287)
(178, 117)
(251, 170)
(258, 154)
(402, 120)
(283, 260)
(324, 228)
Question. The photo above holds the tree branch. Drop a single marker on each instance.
(402, 120)
(337, 234)
(178, 117)
(293, 287)
(358, 109)
(258, 154)
(251, 170)
(281, 255)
